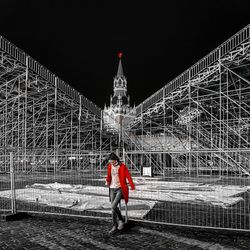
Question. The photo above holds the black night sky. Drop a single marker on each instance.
(79, 40)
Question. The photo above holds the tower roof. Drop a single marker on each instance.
(120, 70)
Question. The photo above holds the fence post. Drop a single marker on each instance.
(12, 184)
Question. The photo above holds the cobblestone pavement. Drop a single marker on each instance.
(57, 232)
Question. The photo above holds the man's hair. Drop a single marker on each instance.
(114, 157)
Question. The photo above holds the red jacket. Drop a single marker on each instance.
(123, 175)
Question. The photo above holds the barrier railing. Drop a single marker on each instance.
(200, 200)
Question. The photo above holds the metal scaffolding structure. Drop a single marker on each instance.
(201, 118)
(46, 123)
(193, 134)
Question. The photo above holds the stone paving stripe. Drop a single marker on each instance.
(188, 241)
(46, 243)
(84, 238)
(65, 242)
(87, 239)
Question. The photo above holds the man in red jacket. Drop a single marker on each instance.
(116, 181)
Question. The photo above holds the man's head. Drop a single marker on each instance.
(114, 159)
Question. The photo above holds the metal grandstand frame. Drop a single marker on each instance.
(42, 116)
(201, 113)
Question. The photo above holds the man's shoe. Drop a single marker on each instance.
(120, 225)
(113, 229)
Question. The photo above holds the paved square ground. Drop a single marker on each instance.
(58, 232)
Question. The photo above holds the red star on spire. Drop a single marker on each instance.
(120, 55)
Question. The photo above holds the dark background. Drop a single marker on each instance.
(79, 40)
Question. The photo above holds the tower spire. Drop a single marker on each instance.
(120, 70)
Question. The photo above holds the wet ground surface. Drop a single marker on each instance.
(59, 232)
